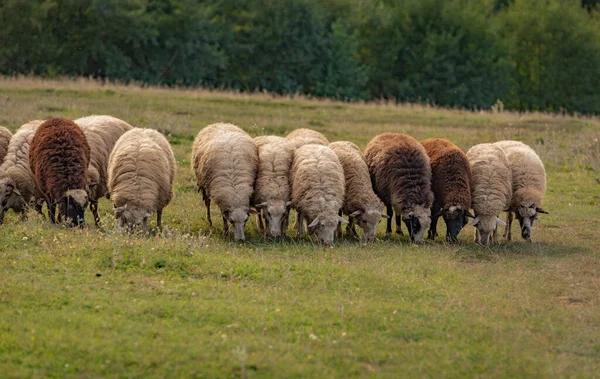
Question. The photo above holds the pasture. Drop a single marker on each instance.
(192, 303)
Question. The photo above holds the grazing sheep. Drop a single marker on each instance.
(317, 179)
(491, 190)
(101, 132)
(361, 204)
(5, 136)
(272, 191)
(401, 176)
(303, 136)
(451, 186)
(141, 169)
(529, 186)
(225, 162)
(59, 159)
(17, 184)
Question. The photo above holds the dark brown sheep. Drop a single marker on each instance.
(59, 157)
(451, 185)
(401, 177)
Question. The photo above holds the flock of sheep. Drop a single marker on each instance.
(71, 164)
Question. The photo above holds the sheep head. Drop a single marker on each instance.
(131, 217)
(72, 206)
(324, 226)
(238, 217)
(456, 217)
(276, 213)
(527, 213)
(10, 198)
(485, 226)
(368, 219)
(417, 220)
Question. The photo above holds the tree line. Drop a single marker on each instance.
(474, 54)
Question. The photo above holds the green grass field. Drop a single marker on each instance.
(191, 303)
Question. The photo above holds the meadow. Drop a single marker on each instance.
(192, 303)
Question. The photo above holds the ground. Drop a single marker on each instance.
(190, 302)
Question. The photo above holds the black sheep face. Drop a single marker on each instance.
(73, 207)
(456, 218)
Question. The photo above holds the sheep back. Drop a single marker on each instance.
(141, 170)
(303, 136)
(5, 136)
(274, 163)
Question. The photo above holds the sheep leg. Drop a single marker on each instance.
(259, 221)
(94, 209)
(350, 229)
(225, 226)
(339, 227)
(51, 211)
(159, 219)
(388, 228)
(433, 228)
(207, 205)
(399, 224)
(299, 222)
(508, 227)
(494, 236)
(38, 207)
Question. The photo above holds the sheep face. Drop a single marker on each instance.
(10, 198)
(72, 206)
(238, 218)
(368, 220)
(130, 218)
(527, 214)
(276, 214)
(455, 218)
(485, 227)
(324, 226)
(417, 221)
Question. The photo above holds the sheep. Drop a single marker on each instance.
(401, 176)
(225, 162)
(5, 136)
(272, 191)
(528, 186)
(317, 179)
(303, 136)
(59, 158)
(141, 170)
(451, 185)
(17, 184)
(361, 204)
(102, 132)
(491, 190)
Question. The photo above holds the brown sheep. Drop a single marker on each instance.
(451, 185)
(59, 158)
(401, 177)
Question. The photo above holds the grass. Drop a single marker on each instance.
(95, 303)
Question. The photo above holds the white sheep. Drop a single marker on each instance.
(5, 136)
(101, 132)
(17, 184)
(361, 204)
(225, 162)
(272, 191)
(303, 136)
(528, 183)
(317, 179)
(141, 170)
(491, 190)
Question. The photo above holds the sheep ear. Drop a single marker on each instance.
(253, 211)
(342, 220)
(500, 222)
(468, 214)
(119, 210)
(288, 204)
(314, 223)
(475, 221)
(260, 206)
(146, 215)
(384, 215)
(355, 214)
(540, 210)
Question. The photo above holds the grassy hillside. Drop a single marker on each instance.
(192, 303)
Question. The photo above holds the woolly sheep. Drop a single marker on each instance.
(317, 179)
(17, 184)
(303, 136)
(401, 176)
(102, 132)
(528, 183)
(361, 204)
(141, 169)
(451, 186)
(225, 162)
(59, 159)
(491, 190)
(5, 136)
(272, 191)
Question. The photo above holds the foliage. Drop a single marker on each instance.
(531, 55)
